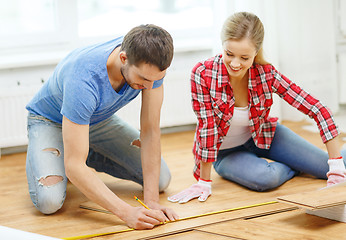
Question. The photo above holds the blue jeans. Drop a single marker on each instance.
(111, 150)
(291, 154)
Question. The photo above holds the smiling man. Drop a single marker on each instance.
(72, 126)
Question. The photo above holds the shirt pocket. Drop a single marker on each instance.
(219, 107)
(263, 107)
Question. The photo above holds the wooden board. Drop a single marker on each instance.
(182, 226)
(284, 226)
(194, 235)
(318, 199)
(337, 213)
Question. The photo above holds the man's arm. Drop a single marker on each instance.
(150, 142)
(151, 148)
(76, 149)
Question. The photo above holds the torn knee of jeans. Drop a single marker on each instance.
(54, 151)
(50, 180)
(136, 143)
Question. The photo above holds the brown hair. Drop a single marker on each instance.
(245, 25)
(148, 44)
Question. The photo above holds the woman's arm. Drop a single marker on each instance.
(205, 170)
(333, 148)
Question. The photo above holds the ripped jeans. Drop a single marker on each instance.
(113, 149)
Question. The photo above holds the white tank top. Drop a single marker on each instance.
(239, 131)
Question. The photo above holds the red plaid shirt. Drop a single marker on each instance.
(213, 103)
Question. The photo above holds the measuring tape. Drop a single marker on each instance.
(181, 219)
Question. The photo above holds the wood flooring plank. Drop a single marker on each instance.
(182, 226)
(195, 235)
(281, 226)
(318, 199)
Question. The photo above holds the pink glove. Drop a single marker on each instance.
(337, 171)
(202, 190)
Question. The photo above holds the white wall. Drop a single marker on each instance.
(307, 50)
(340, 16)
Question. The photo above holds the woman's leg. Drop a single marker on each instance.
(297, 153)
(115, 150)
(247, 169)
(45, 164)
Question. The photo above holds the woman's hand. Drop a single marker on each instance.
(337, 171)
(202, 190)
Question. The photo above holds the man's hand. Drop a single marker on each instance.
(169, 214)
(142, 218)
(337, 171)
(202, 190)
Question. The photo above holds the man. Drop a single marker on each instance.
(72, 126)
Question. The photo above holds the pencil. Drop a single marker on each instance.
(141, 202)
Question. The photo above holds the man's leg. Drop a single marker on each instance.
(115, 149)
(45, 164)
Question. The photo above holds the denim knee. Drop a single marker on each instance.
(49, 199)
(263, 179)
(165, 179)
(165, 176)
(265, 182)
(274, 175)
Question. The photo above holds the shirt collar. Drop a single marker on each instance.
(252, 77)
(222, 79)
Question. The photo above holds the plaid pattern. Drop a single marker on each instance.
(213, 103)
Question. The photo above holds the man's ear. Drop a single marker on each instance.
(123, 57)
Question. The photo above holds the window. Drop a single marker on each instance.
(60, 24)
(24, 23)
(183, 18)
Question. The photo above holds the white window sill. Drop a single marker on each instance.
(31, 59)
(44, 58)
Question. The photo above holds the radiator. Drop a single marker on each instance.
(14, 115)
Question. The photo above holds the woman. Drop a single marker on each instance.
(231, 95)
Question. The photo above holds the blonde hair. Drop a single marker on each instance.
(245, 25)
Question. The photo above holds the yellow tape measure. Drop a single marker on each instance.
(181, 219)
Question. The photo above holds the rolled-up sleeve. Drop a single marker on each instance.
(307, 104)
(206, 138)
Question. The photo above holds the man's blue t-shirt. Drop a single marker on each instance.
(80, 90)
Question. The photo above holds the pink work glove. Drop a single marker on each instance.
(337, 171)
(202, 190)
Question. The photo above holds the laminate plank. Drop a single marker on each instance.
(182, 226)
(318, 199)
(195, 235)
(281, 226)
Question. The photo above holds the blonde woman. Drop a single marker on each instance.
(232, 94)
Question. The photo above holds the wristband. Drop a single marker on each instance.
(335, 158)
(205, 180)
(204, 183)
